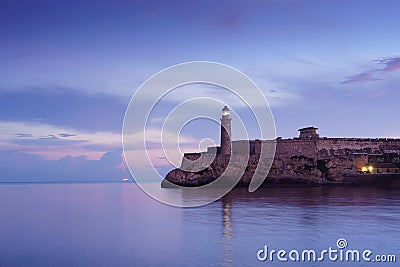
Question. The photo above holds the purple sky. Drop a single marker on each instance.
(69, 68)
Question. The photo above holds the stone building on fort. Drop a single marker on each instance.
(306, 159)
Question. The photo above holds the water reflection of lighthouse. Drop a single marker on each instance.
(227, 233)
(227, 219)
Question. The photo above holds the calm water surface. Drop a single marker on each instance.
(119, 225)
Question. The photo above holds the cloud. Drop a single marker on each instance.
(49, 137)
(44, 139)
(72, 108)
(391, 64)
(22, 135)
(34, 168)
(66, 135)
(362, 77)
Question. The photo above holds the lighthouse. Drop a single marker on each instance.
(226, 143)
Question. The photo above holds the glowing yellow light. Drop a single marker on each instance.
(370, 168)
(364, 169)
(225, 113)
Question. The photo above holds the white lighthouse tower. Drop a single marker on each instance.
(226, 143)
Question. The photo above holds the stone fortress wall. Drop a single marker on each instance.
(332, 158)
(308, 159)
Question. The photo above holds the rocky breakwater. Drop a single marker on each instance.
(297, 170)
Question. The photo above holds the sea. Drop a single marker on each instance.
(117, 224)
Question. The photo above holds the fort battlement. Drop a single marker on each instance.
(316, 147)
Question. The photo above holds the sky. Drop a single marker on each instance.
(68, 70)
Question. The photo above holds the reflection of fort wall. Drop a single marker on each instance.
(308, 196)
